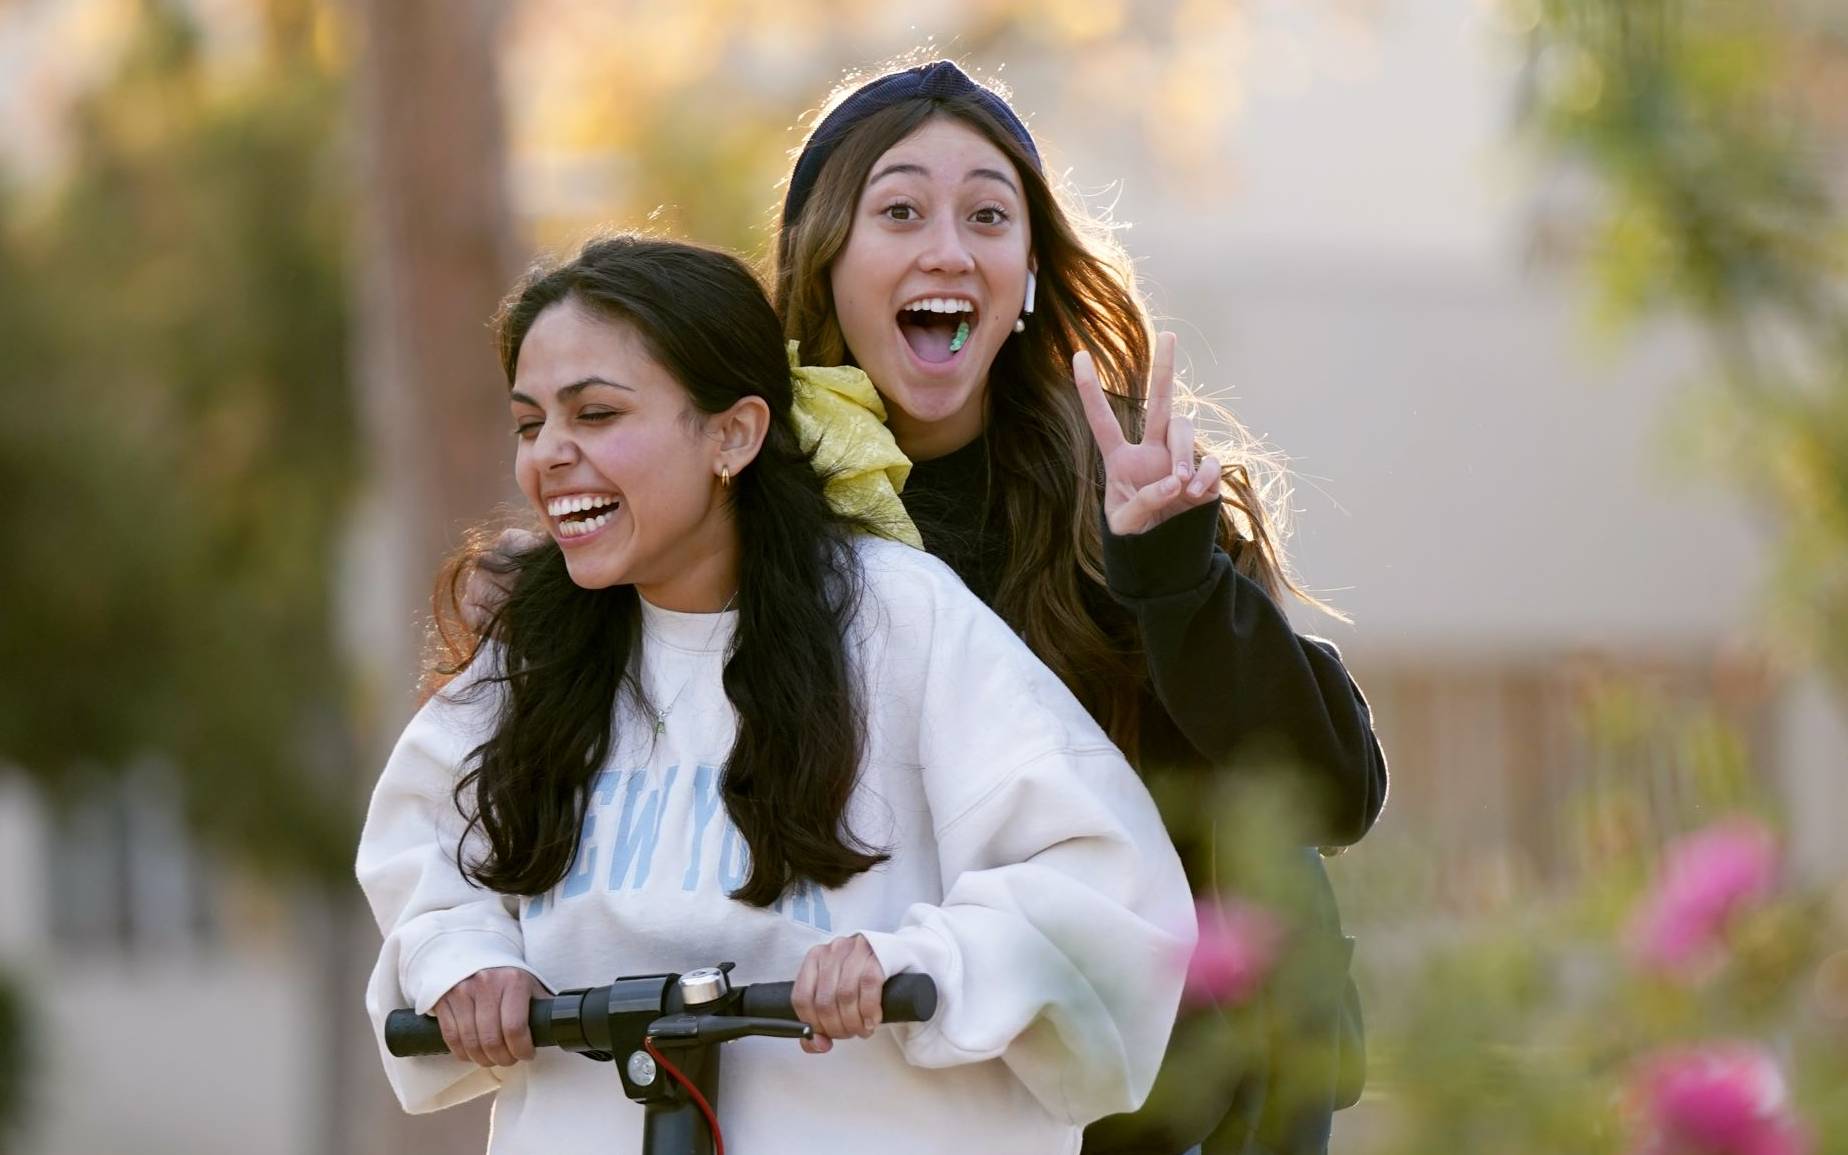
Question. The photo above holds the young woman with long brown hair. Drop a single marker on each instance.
(1147, 573)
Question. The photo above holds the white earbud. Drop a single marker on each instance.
(1026, 310)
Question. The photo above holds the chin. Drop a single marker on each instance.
(933, 402)
(936, 408)
(595, 573)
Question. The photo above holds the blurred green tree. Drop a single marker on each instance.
(1716, 129)
(182, 446)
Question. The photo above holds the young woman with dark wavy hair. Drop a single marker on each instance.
(715, 718)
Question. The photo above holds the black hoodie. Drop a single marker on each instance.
(1227, 673)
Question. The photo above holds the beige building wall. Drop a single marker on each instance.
(148, 1040)
(1486, 485)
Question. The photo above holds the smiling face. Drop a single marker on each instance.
(932, 278)
(621, 467)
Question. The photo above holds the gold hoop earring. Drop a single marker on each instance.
(724, 477)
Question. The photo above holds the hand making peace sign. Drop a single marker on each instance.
(1146, 484)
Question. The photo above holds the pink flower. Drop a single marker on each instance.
(1238, 944)
(1721, 1099)
(1708, 877)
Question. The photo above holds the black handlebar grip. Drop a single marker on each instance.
(908, 998)
(408, 1033)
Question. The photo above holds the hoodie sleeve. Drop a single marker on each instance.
(439, 926)
(1229, 668)
(1066, 923)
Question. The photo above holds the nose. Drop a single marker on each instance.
(553, 448)
(944, 249)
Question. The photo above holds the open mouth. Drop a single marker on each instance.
(582, 513)
(937, 328)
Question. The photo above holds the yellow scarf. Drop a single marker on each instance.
(841, 421)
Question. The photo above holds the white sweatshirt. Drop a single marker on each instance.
(1030, 876)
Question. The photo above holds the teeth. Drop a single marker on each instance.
(578, 503)
(580, 528)
(940, 305)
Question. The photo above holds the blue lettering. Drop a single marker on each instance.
(604, 786)
(705, 805)
(638, 836)
(585, 864)
(807, 905)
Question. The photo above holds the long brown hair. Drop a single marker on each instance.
(1049, 472)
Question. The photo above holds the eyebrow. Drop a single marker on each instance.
(920, 170)
(570, 391)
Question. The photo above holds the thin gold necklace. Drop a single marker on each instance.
(660, 716)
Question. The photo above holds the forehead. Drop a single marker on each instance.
(569, 343)
(947, 148)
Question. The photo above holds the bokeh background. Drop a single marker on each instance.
(1543, 299)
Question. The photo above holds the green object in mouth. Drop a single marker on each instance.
(962, 335)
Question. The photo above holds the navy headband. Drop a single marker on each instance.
(939, 79)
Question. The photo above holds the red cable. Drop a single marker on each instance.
(699, 1100)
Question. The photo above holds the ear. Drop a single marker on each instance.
(738, 434)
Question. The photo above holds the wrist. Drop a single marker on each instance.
(1169, 558)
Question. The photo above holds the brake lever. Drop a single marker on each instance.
(685, 1030)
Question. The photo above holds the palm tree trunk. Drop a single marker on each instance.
(436, 253)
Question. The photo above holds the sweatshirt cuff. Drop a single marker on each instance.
(916, 950)
(1173, 557)
(448, 957)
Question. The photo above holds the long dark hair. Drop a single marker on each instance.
(564, 653)
(1049, 473)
